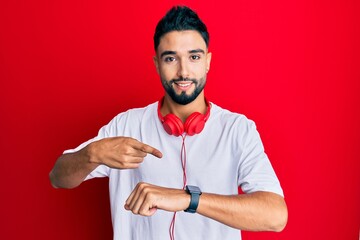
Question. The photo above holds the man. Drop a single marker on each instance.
(181, 155)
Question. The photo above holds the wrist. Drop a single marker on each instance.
(194, 193)
(88, 153)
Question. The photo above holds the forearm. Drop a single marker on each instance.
(71, 169)
(260, 211)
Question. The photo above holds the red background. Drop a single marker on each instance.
(68, 67)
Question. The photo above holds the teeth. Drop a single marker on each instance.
(184, 84)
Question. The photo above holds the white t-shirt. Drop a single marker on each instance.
(227, 154)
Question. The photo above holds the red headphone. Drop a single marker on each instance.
(194, 124)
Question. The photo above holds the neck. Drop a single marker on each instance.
(183, 111)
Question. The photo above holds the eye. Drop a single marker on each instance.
(194, 57)
(169, 59)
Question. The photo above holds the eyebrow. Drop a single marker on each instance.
(174, 52)
(197, 51)
(167, 53)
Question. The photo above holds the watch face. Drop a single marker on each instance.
(193, 189)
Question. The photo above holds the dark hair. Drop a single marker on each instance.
(180, 18)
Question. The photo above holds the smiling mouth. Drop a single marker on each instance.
(183, 84)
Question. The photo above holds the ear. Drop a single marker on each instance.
(208, 61)
(156, 62)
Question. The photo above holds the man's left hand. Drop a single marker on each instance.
(145, 199)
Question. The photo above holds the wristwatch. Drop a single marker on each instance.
(195, 193)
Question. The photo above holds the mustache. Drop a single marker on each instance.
(182, 79)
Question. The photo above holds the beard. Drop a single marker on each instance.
(184, 98)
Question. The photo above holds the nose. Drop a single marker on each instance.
(183, 69)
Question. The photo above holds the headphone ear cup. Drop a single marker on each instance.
(194, 124)
(173, 125)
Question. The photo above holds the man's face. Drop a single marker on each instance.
(182, 61)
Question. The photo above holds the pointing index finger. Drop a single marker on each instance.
(148, 149)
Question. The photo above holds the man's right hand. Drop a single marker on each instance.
(120, 152)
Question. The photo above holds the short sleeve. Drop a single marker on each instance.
(255, 170)
(104, 132)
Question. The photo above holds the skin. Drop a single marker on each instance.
(180, 54)
(183, 54)
(71, 169)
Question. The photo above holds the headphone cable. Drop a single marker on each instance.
(183, 165)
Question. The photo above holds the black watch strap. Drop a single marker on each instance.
(195, 193)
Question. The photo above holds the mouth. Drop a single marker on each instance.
(183, 85)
